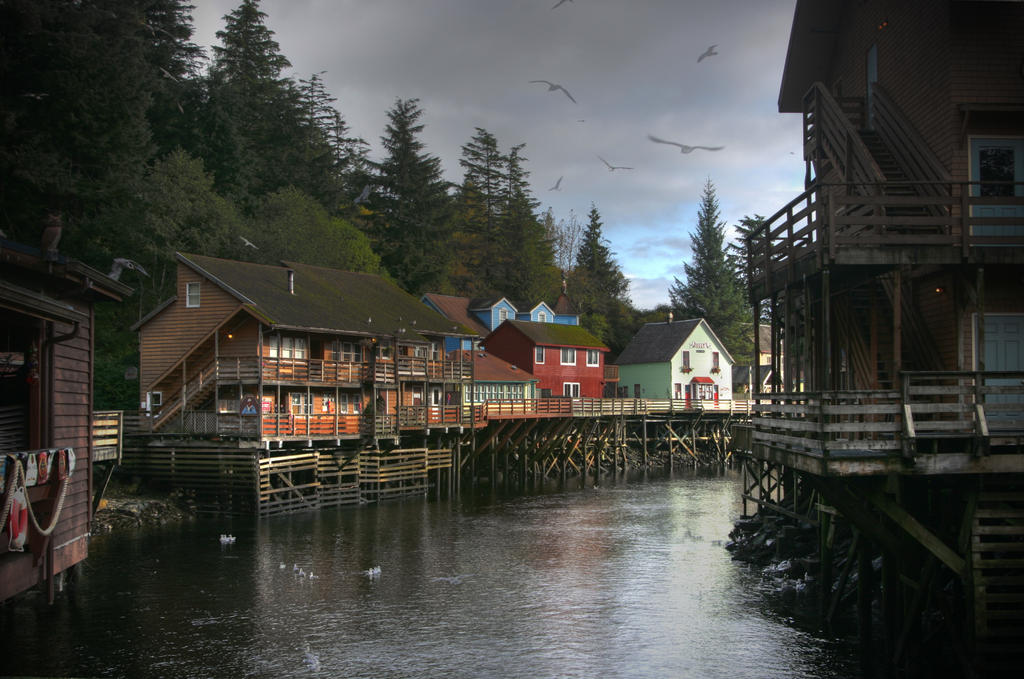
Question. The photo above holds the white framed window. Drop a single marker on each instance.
(293, 347)
(538, 355)
(343, 404)
(593, 357)
(192, 295)
(299, 403)
(156, 398)
(568, 356)
(502, 315)
(571, 389)
(542, 317)
(343, 351)
(435, 351)
(273, 345)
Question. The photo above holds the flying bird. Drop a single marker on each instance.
(683, 148)
(122, 263)
(709, 52)
(613, 168)
(552, 87)
(557, 185)
(560, 3)
(248, 243)
(362, 196)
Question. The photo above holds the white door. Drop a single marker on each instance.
(998, 160)
(1004, 350)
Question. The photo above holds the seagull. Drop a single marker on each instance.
(311, 659)
(709, 52)
(248, 243)
(362, 196)
(683, 147)
(168, 75)
(557, 185)
(560, 3)
(613, 168)
(552, 87)
(282, 566)
(122, 263)
(372, 572)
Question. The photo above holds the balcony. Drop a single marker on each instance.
(938, 422)
(857, 224)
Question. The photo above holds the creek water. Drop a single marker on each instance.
(630, 579)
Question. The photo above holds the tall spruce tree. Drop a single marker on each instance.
(410, 207)
(479, 207)
(599, 288)
(255, 126)
(713, 287)
(525, 267)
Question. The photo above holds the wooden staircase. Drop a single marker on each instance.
(997, 569)
(196, 391)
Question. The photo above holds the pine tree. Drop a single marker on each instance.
(713, 287)
(480, 204)
(410, 207)
(598, 287)
(255, 124)
(525, 261)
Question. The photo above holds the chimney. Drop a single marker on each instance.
(291, 281)
(669, 315)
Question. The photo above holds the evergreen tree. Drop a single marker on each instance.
(713, 287)
(480, 203)
(410, 208)
(256, 129)
(599, 288)
(524, 262)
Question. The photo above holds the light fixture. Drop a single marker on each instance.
(939, 290)
(230, 336)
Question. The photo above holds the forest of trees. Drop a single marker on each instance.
(147, 146)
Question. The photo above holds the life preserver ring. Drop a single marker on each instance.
(17, 521)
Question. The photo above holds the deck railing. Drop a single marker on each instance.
(929, 408)
(830, 220)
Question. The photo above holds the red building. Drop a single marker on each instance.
(566, 359)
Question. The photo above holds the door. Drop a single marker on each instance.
(998, 160)
(1004, 350)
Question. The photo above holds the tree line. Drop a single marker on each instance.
(145, 145)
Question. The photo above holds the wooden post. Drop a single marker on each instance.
(755, 383)
(979, 347)
(865, 586)
(826, 332)
(897, 325)
(644, 438)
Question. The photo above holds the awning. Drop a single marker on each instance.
(702, 380)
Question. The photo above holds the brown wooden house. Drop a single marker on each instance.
(295, 353)
(895, 282)
(46, 412)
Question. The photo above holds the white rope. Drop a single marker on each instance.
(19, 474)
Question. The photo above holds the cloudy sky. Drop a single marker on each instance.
(631, 66)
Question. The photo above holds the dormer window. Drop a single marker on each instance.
(192, 295)
(542, 317)
(502, 315)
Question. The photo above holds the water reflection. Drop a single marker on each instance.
(626, 580)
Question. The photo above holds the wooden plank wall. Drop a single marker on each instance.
(223, 481)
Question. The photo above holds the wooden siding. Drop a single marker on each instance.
(169, 335)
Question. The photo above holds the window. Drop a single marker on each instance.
(571, 389)
(502, 315)
(538, 356)
(568, 356)
(156, 398)
(291, 347)
(593, 357)
(714, 361)
(299, 404)
(343, 351)
(435, 351)
(384, 351)
(273, 342)
(192, 295)
(542, 317)
(686, 360)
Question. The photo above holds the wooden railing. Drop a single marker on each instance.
(831, 220)
(107, 428)
(833, 136)
(930, 406)
(911, 152)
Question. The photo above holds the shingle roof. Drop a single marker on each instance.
(457, 309)
(489, 368)
(555, 334)
(657, 342)
(324, 299)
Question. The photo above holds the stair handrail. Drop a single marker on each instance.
(910, 150)
(191, 388)
(834, 136)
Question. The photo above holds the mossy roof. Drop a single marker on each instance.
(553, 334)
(325, 299)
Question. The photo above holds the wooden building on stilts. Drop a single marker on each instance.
(896, 281)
